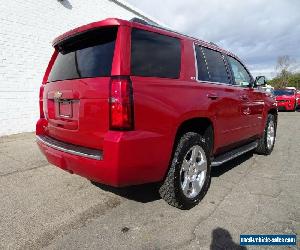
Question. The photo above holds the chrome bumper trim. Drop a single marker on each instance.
(70, 148)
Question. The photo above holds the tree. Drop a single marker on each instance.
(293, 81)
(283, 70)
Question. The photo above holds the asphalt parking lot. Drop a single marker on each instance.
(44, 207)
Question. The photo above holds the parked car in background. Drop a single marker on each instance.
(286, 99)
(125, 102)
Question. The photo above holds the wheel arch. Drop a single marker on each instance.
(201, 125)
(204, 127)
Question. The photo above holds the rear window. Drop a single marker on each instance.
(87, 55)
(154, 55)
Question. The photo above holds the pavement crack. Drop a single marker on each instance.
(23, 170)
(77, 222)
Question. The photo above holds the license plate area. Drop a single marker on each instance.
(65, 108)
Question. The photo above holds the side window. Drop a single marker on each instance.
(201, 65)
(216, 66)
(154, 55)
(241, 76)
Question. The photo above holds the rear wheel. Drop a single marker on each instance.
(188, 178)
(266, 143)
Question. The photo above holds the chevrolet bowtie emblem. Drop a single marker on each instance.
(57, 95)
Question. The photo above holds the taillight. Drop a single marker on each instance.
(42, 115)
(121, 104)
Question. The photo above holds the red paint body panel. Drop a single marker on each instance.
(161, 105)
(128, 158)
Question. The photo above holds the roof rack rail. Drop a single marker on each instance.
(139, 20)
(142, 21)
(214, 44)
(155, 25)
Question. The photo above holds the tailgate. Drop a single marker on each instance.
(75, 99)
(80, 115)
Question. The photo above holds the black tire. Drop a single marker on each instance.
(171, 190)
(262, 147)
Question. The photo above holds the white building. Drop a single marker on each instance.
(27, 29)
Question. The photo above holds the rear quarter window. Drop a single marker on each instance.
(154, 55)
(86, 55)
(216, 66)
(203, 74)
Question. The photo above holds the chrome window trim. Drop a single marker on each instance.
(70, 148)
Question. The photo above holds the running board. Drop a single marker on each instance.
(219, 160)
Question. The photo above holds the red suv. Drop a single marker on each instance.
(125, 103)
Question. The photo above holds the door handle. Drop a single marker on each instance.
(244, 98)
(212, 96)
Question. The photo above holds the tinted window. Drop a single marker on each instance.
(216, 66)
(86, 55)
(241, 76)
(201, 65)
(154, 55)
(279, 92)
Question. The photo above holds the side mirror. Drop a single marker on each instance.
(260, 81)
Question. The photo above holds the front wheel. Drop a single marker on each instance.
(267, 141)
(188, 178)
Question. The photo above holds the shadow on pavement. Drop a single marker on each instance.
(219, 170)
(141, 193)
(222, 239)
(149, 192)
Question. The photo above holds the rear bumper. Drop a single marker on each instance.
(69, 148)
(128, 158)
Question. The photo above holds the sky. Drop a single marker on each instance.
(257, 31)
